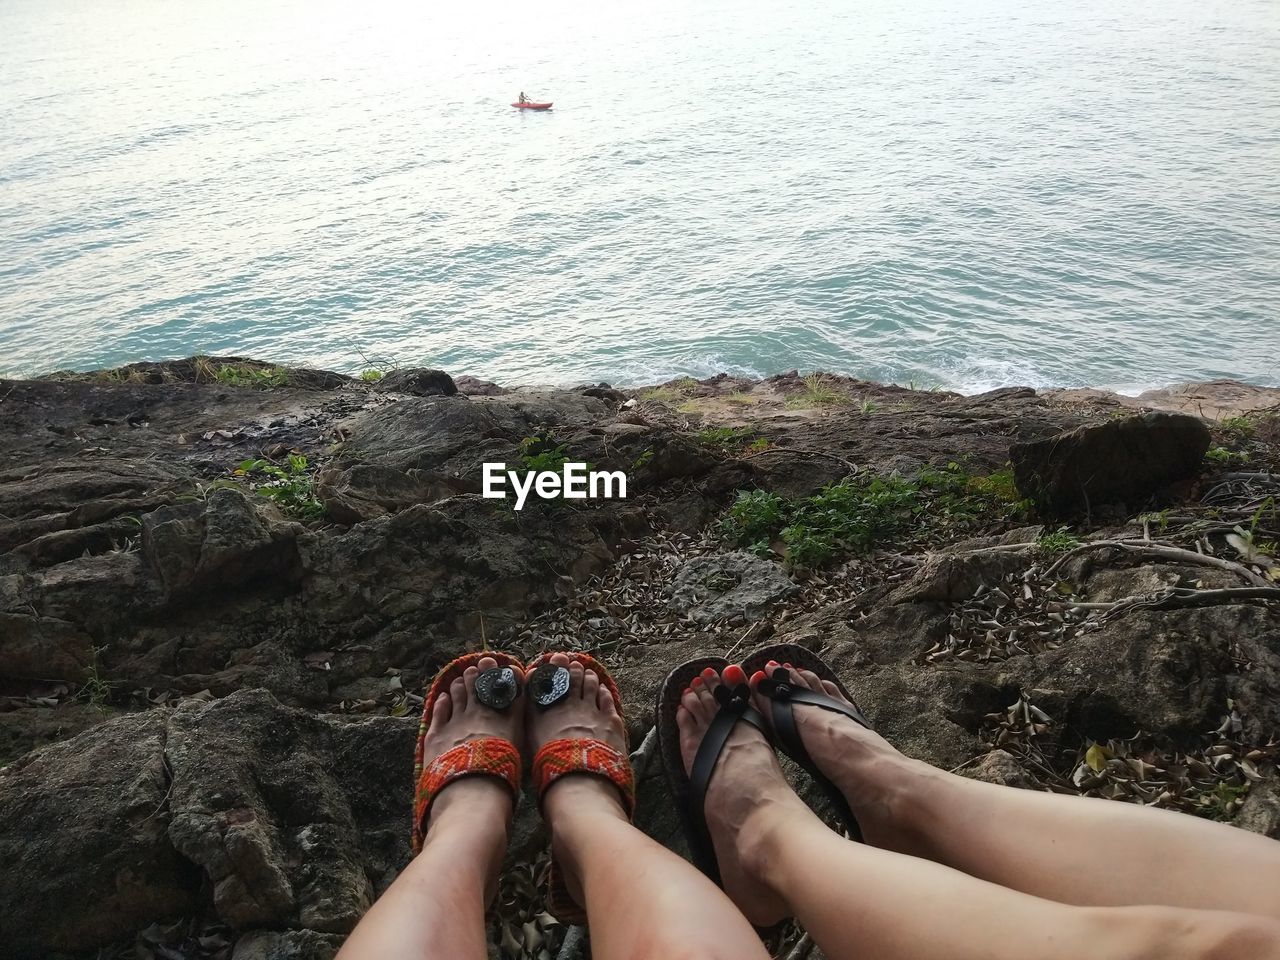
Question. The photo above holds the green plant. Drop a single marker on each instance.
(290, 486)
(96, 690)
(754, 519)
(722, 436)
(541, 452)
(1223, 802)
(1241, 426)
(1058, 541)
(861, 512)
(643, 459)
(818, 392)
(372, 375)
(670, 393)
(1223, 457)
(868, 406)
(739, 396)
(759, 445)
(245, 375)
(1158, 519)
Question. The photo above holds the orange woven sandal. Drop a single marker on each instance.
(547, 685)
(496, 688)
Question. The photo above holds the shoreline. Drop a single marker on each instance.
(225, 584)
(1213, 399)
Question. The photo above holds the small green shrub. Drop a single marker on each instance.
(1241, 426)
(859, 513)
(96, 690)
(372, 375)
(671, 393)
(1057, 541)
(290, 486)
(244, 375)
(723, 437)
(1224, 457)
(541, 452)
(818, 392)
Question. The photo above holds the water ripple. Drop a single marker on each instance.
(972, 195)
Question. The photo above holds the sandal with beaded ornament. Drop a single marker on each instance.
(548, 685)
(496, 688)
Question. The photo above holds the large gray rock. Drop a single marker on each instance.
(734, 586)
(363, 491)
(417, 381)
(1261, 810)
(217, 544)
(1123, 461)
(286, 945)
(290, 819)
(297, 820)
(84, 849)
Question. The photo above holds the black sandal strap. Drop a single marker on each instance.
(735, 708)
(783, 695)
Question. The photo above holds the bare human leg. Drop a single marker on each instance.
(863, 903)
(1072, 849)
(435, 909)
(642, 900)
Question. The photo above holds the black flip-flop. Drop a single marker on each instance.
(782, 692)
(690, 790)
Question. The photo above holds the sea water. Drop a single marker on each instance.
(969, 194)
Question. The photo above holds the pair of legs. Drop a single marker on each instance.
(644, 901)
(952, 868)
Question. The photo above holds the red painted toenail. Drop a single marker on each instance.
(709, 673)
(757, 676)
(687, 691)
(788, 666)
(772, 663)
(734, 674)
(697, 682)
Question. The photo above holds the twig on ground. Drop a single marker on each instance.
(801, 452)
(1150, 548)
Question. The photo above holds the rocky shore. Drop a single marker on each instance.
(224, 583)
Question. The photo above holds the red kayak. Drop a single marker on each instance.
(530, 105)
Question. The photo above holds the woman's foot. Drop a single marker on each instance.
(573, 803)
(877, 780)
(478, 808)
(748, 802)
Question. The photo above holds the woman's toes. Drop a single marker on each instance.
(810, 680)
(576, 672)
(707, 699)
(486, 663)
(458, 693)
(591, 686)
(692, 704)
(831, 690)
(605, 702)
(469, 681)
(440, 713)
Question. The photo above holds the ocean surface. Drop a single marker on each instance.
(969, 194)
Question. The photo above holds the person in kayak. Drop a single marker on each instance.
(523, 98)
